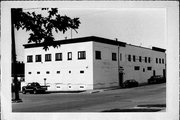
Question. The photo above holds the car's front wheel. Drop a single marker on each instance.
(35, 91)
(23, 91)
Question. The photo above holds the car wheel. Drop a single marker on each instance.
(35, 92)
(23, 91)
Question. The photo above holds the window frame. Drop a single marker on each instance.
(58, 56)
(98, 55)
(136, 68)
(38, 60)
(69, 56)
(114, 56)
(81, 55)
(129, 58)
(29, 58)
(47, 59)
(134, 58)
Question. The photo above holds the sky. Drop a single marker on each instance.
(143, 27)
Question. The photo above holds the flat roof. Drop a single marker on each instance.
(87, 39)
(78, 40)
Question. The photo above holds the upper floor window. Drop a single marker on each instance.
(129, 57)
(29, 58)
(98, 55)
(149, 59)
(145, 60)
(140, 58)
(114, 57)
(69, 55)
(156, 60)
(58, 56)
(81, 54)
(149, 68)
(47, 57)
(38, 58)
(134, 58)
(160, 60)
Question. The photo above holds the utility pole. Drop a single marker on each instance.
(14, 69)
(118, 62)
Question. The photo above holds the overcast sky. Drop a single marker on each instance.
(145, 27)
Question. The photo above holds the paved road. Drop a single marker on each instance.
(94, 102)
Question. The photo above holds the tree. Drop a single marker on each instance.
(41, 29)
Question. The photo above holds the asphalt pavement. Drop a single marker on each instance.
(153, 97)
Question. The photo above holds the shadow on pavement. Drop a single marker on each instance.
(132, 110)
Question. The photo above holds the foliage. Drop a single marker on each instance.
(42, 27)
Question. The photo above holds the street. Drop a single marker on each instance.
(92, 102)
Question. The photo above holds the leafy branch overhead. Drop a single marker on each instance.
(42, 27)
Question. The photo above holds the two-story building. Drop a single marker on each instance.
(91, 63)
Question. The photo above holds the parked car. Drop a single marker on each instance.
(130, 83)
(156, 79)
(33, 87)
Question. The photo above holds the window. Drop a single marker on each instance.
(29, 73)
(149, 68)
(136, 68)
(81, 54)
(81, 86)
(58, 56)
(29, 58)
(47, 57)
(38, 72)
(160, 60)
(58, 72)
(69, 55)
(98, 55)
(140, 58)
(149, 59)
(120, 57)
(82, 71)
(134, 58)
(156, 60)
(38, 58)
(47, 72)
(145, 60)
(69, 71)
(114, 57)
(129, 57)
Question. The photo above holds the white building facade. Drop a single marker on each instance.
(91, 63)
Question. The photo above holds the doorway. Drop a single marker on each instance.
(121, 79)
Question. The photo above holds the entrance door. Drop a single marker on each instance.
(154, 72)
(120, 79)
(164, 73)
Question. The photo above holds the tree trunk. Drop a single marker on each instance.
(15, 81)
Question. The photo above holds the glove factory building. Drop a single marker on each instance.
(91, 63)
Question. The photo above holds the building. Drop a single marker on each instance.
(91, 63)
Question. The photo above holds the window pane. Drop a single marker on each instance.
(134, 58)
(114, 56)
(140, 58)
(129, 57)
(30, 58)
(98, 55)
(69, 55)
(47, 57)
(82, 55)
(136, 67)
(38, 58)
(58, 56)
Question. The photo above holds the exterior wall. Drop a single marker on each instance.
(143, 73)
(62, 81)
(105, 70)
(98, 73)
